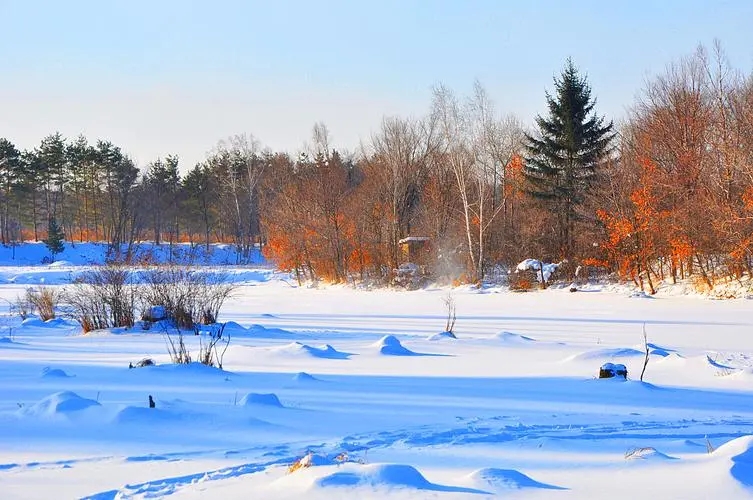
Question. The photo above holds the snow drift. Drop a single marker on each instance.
(389, 345)
(498, 480)
(261, 399)
(60, 403)
(298, 349)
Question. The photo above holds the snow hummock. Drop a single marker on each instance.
(499, 480)
(442, 336)
(303, 377)
(385, 478)
(740, 452)
(608, 353)
(389, 345)
(261, 399)
(376, 475)
(298, 349)
(48, 372)
(60, 403)
(514, 338)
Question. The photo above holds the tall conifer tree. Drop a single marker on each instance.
(564, 155)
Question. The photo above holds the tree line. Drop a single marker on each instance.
(665, 194)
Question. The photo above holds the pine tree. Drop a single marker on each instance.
(565, 154)
(55, 237)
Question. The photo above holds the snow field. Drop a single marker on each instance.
(510, 408)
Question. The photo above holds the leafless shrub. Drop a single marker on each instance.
(176, 348)
(449, 302)
(102, 299)
(44, 300)
(645, 345)
(23, 306)
(209, 353)
(189, 297)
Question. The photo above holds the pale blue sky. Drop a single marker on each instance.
(160, 77)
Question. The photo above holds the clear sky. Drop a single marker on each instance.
(175, 76)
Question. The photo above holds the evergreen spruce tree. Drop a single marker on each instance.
(564, 155)
(55, 238)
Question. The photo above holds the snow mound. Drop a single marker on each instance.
(269, 333)
(304, 377)
(260, 399)
(60, 263)
(673, 358)
(48, 372)
(389, 345)
(138, 414)
(143, 415)
(297, 349)
(514, 338)
(640, 294)
(237, 330)
(740, 452)
(659, 351)
(504, 479)
(648, 453)
(194, 368)
(385, 475)
(442, 336)
(60, 403)
(50, 323)
(232, 326)
(608, 353)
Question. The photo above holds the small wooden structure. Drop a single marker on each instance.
(415, 249)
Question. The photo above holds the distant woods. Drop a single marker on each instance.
(667, 194)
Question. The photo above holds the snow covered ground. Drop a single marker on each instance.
(360, 384)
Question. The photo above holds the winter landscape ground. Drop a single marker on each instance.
(363, 384)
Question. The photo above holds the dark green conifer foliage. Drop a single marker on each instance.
(565, 153)
(55, 238)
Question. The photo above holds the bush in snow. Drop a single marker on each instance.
(538, 270)
(23, 306)
(186, 296)
(177, 349)
(209, 352)
(410, 276)
(102, 299)
(449, 302)
(44, 300)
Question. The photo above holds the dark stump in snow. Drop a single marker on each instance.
(609, 370)
(141, 364)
